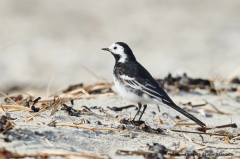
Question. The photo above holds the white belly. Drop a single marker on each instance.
(131, 96)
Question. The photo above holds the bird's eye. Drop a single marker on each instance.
(115, 48)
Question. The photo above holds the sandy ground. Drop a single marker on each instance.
(32, 138)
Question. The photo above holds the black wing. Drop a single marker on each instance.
(137, 77)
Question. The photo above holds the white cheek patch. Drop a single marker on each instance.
(123, 58)
(119, 51)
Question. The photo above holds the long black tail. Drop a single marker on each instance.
(180, 110)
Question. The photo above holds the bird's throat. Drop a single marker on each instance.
(117, 58)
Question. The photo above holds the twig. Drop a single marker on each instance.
(33, 117)
(42, 110)
(16, 107)
(236, 148)
(234, 74)
(214, 146)
(48, 154)
(139, 142)
(201, 148)
(50, 83)
(202, 133)
(225, 126)
(227, 140)
(9, 98)
(158, 108)
(67, 99)
(49, 142)
(175, 123)
(236, 138)
(135, 152)
(9, 127)
(185, 124)
(214, 107)
(220, 98)
(2, 110)
(230, 97)
(55, 105)
(106, 129)
(182, 120)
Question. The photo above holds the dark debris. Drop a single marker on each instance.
(122, 127)
(183, 83)
(235, 80)
(160, 151)
(73, 87)
(98, 122)
(4, 124)
(95, 107)
(86, 108)
(100, 91)
(141, 124)
(145, 128)
(121, 108)
(70, 110)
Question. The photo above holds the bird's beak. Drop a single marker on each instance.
(106, 49)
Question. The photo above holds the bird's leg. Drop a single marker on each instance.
(144, 108)
(139, 107)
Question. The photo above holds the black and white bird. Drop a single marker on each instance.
(136, 84)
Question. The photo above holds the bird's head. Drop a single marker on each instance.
(121, 52)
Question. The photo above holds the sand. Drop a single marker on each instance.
(33, 138)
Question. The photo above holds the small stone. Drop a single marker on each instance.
(145, 128)
(99, 123)
(124, 121)
(159, 148)
(39, 133)
(3, 120)
(7, 140)
(87, 122)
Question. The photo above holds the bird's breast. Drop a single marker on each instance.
(131, 94)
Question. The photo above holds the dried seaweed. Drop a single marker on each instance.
(121, 108)
(73, 87)
(70, 110)
(184, 82)
(4, 124)
(235, 80)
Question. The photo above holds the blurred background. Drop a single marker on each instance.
(43, 42)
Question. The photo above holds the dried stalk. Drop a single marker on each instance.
(9, 127)
(230, 97)
(42, 110)
(16, 107)
(218, 93)
(33, 117)
(185, 124)
(135, 152)
(47, 155)
(2, 110)
(67, 99)
(148, 134)
(201, 148)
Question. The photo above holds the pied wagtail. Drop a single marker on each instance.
(136, 84)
